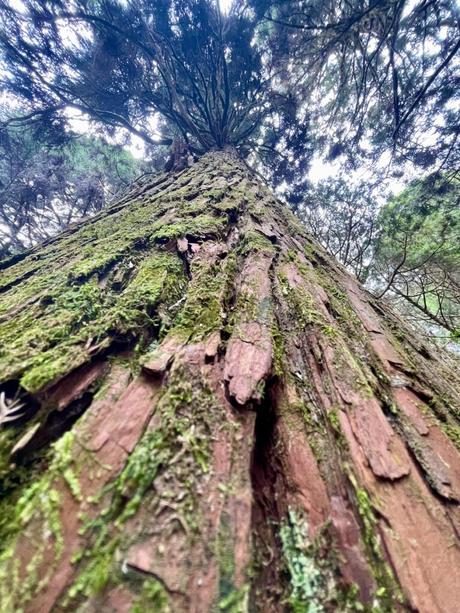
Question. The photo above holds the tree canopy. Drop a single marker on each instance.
(124, 61)
(383, 73)
(376, 75)
(343, 218)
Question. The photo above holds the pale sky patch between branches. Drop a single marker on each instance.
(225, 5)
(321, 169)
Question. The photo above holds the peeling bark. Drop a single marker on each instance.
(218, 418)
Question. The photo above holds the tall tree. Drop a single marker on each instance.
(417, 253)
(202, 411)
(343, 218)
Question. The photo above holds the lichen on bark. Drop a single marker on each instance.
(217, 417)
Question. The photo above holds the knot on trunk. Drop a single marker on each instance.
(180, 156)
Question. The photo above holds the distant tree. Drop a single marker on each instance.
(46, 185)
(342, 217)
(406, 250)
(417, 253)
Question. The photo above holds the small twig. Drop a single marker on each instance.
(10, 410)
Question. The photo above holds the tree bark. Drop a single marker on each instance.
(204, 412)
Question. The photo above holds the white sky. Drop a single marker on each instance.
(225, 4)
(321, 169)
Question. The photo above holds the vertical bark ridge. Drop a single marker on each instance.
(212, 415)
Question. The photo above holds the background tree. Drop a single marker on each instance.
(279, 81)
(46, 184)
(417, 254)
(343, 218)
(405, 250)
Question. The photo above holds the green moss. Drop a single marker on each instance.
(143, 465)
(256, 241)
(453, 432)
(293, 222)
(278, 350)
(231, 599)
(97, 573)
(82, 253)
(39, 503)
(230, 205)
(348, 328)
(352, 371)
(64, 463)
(66, 303)
(50, 340)
(50, 313)
(236, 601)
(180, 446)
(203, 311)
(225, 556)
(339, 304)
(200, 226)
(259, 210)
(159, 278)
(314, 568)
(249, 307)
(152, 599)
(388, 595)
(334, 420)
(15, 592)
(306, 586)
(305, 308)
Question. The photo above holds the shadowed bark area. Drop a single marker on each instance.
(204, 412)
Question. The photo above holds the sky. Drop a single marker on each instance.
(320, 168)
(225, 4)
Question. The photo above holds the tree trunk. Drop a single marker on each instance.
(204, 412)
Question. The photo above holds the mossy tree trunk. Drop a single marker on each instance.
(204, 412)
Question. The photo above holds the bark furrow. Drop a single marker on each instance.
(204, 412)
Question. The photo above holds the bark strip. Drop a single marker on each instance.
(205, 412)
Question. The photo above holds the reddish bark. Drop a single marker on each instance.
(278, 418)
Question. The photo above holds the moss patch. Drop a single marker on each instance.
(306, 584)
(40, 502)
(48, 340)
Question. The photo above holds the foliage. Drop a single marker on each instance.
(187, 68)
(417, 254)
(406, 249)
(342, 217)
(46, 184)
(379, 74)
